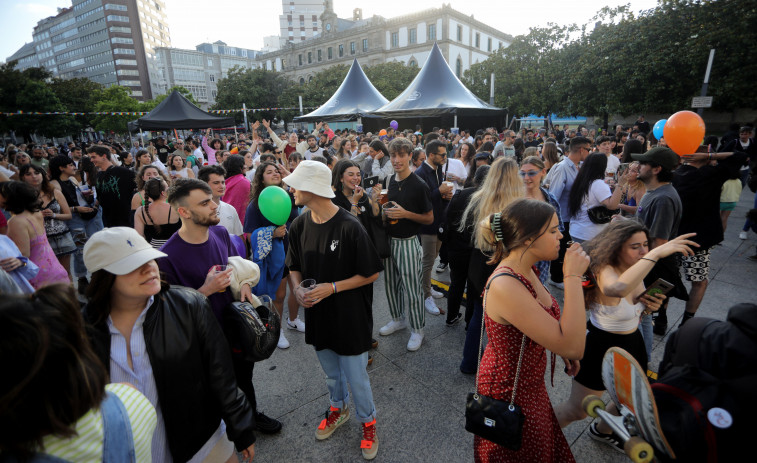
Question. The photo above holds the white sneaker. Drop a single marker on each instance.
(392, 326)
(416, 338)
(431, 306)
(436, 294)
(742, 235)
(283, 343)
(296, 324)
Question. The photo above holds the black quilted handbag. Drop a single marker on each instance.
(252, 332)
(495, 420)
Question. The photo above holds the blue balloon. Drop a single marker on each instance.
(658, 127)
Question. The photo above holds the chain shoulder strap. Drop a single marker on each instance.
(481, 341)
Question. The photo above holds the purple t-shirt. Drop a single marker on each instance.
(188, 264)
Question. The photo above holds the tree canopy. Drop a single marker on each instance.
(653, 61)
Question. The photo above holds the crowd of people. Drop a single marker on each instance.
(151, 239)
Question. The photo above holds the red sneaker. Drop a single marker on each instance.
(369, 444)
(334, 418)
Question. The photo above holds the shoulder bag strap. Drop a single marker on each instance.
(481, 341)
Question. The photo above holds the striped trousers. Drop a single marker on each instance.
(403, 272)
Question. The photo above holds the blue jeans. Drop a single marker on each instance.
(645, 326)
(81, 230)
(472, 339)
(343, 369)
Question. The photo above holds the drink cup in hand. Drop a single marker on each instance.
(220, 269)
(390, 205)
(305, 287)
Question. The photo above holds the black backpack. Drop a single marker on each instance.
(705, 391)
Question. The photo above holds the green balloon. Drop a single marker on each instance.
(275, 204)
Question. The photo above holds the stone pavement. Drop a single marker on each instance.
(420, 396)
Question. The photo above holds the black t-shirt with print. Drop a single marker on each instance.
(115, 187)
(413, 195)
(333, 251)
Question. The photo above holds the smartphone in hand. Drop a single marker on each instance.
(370, 182)
(659, 287)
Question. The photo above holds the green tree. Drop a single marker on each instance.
(115, 99)
(391, 78)
(78, 95)
(257, 88)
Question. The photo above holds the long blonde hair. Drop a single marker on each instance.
(501, 187)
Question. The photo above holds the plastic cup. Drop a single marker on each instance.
(390, 205)
(383, 197)
(219, 269)
(305, 287)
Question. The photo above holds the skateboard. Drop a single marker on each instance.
(639, 423)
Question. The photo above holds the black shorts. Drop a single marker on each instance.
(597, 343)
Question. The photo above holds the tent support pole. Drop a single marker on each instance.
(455, 122)
(244, 111)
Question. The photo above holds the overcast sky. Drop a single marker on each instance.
(244, 23)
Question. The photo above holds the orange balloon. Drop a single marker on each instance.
(382, 132)
(684, 132)
(234, 150)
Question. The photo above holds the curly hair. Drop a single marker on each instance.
(604, 249)
(141, 181)
(257, 180)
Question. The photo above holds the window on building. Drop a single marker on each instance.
(432, 32)
(310, 57)
(352, 48)
(212, 78)
(395, 39)
(365, 44)
(341, 50)
(489, 44)
(300, 59)
(412, 63)
(210, 61)
(115, 18)
(330, 53)
(459, 68)
(478, 40)
(302, 81)
(412, 36)
(459, 33)
(320, 55)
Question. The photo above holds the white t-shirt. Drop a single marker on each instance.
(612, 164)
(200, 156)
(457, 169)
(229, 218)
(581, 226)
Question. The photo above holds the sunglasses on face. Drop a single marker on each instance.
(530, 173)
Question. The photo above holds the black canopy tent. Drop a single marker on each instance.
(176, 112)
(437, 97)
(355, 98)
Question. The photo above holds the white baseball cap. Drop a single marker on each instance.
(313, 177)
(118, 250)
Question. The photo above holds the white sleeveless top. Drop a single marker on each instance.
(621, 317)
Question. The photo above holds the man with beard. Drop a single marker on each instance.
(192, 253)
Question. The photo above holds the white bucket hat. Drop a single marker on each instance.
(313, 177)
(118, 250)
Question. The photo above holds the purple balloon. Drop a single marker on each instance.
(394, 125)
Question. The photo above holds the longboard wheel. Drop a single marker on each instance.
(591, 403)
(638, 450)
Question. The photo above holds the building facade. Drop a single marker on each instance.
(300, 20)
(111, 42)
(199, 70)
(462, 39)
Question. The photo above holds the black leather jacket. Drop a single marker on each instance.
(194, 376)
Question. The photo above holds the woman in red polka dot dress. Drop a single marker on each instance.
(517, 305)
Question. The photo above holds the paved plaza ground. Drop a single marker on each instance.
(420, 396)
